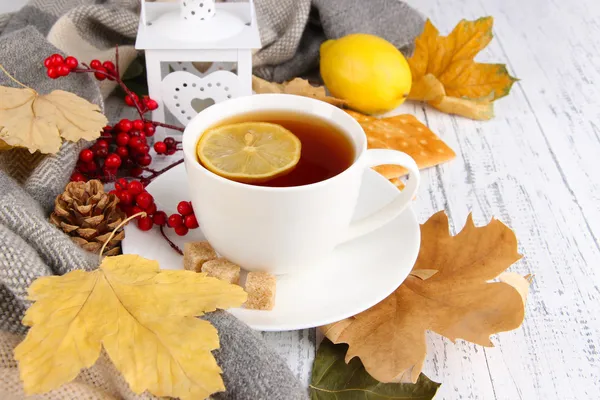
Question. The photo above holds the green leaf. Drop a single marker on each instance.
(333, 379)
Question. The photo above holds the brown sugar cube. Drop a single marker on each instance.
(222, 269)
(260, 287)
(197, 253)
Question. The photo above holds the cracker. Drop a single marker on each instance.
(197, 253)
(261, 287)
(407, 134)
(222, 269)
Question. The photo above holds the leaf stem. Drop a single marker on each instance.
(12, 78)
(113, 233)
(154, 173)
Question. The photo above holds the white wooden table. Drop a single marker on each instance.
(535, 166)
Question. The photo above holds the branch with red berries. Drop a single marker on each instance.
(122, 150)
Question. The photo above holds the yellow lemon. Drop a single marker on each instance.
(250, 152)
(367, 71)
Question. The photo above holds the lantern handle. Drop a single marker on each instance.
(143, 13)
(252, 13)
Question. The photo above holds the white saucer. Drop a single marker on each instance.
(358, 275)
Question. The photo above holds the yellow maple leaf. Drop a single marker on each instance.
(144, 317)
(297, 86)
(40, 122)
(446, 76)
(448, 292)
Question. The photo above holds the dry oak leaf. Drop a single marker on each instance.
(446, 76)
(144, 318)
(407, 134)
(297, 86)
(458, 301)
(40, 122)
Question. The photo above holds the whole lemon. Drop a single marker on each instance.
(366, 71)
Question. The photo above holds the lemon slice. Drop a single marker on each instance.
(249, 152)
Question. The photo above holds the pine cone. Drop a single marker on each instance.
(89, 215)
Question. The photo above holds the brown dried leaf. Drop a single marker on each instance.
(457, 302)
(40, 122)
(297, 86)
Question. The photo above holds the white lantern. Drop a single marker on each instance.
(196, 31)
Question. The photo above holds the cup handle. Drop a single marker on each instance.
(392, 210)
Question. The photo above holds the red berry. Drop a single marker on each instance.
(101, 74)
(71, 62)
(48, 62)
(181, 230)
(122, 139)
(184, 208)
(169, 141)
(136, 210)
(149, 128)
(145, 160)
(77, 177)
(102, 152)
(52, 73)
(135, 132)
(121, 184)
(190, 221)
(107, 128)
(138, 124)
(135, 187)
(136, 171)
(57, 60)
(131, 99)
(91, 166)
(112, 161)
(135, 142)
(144, 200)
(95, 64)
(142, 136)
(151, 209)
(125, 125)
(160, 147)
(86, 155)
(175, 220)
(170, 152)
(125, 197)
(109, 65)
(102, 144)
(145, 223)
(63, 70)
(122, 152)
(160, 218)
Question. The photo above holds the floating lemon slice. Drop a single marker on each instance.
(249, 152)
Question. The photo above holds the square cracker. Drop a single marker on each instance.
(407, 134)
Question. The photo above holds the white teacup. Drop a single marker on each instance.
(282, 230)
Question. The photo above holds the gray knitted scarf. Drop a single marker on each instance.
(30, 247)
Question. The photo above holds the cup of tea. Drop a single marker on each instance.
(292, 222)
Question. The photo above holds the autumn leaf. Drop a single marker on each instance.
(144, 318)
(40, 122)
(333, 379)
(297, 86)
(446, 76)
(457, 301)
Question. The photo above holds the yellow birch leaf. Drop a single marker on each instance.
(40, 122)
(144, 318)
(297, 86)
(458, 301)
(447, 62)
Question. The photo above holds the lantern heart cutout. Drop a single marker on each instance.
(181, 91)
(200, 104)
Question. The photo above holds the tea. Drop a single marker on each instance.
(326, 150)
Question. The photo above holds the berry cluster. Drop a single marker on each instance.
(134, 199)
(122, 150)
(168, 146)
(57, 66)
